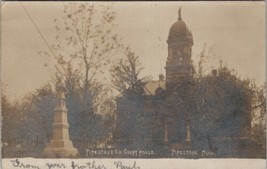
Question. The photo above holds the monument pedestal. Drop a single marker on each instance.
(55, 152)
(60, 148)
(60, 145)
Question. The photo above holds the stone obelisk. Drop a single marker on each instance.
(60, 145)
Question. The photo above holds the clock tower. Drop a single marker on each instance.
(179, 67)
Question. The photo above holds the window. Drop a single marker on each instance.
(180, 60)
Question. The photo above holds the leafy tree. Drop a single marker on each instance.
(27, 122)
(10, 117)
(11, 128)
(219, 104)
(222, 105)
(38, 109)
(259, 114)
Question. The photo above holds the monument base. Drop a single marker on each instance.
(60, 149)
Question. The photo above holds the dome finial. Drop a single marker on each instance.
(179, 13)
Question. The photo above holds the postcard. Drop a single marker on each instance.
(133, 85)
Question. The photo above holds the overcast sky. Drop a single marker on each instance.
(235, 31)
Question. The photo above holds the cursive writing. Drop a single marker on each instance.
(120, 165)
(17, 163)
(88, 165)
(55, 165)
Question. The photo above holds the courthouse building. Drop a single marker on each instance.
(152, 121)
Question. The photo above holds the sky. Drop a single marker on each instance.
(233, 31)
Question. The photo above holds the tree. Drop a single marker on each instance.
(223, 110)
(85, 41)
(259, 114)
(86, 125)
(126, 79)
(125, 75)
(38, 109)
(9, 119)
(222, 105)
(11, 127)
(89, 30)
(27, 122)
(85, 44)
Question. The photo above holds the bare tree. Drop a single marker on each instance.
(126, 74)
(85, 40)
(85, 44)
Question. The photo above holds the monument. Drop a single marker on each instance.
(60, 145)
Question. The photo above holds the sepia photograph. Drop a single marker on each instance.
(132, 80)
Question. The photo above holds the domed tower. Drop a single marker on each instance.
(179, 67)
